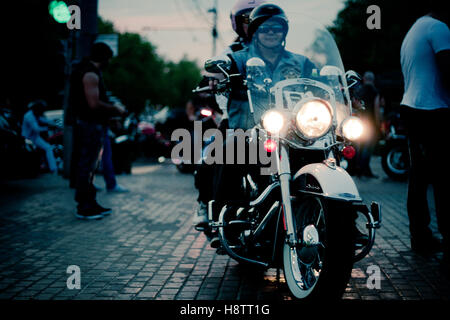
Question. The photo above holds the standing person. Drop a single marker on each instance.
(33, 124)
(425, 60)
(371, 116)
(90, 104)
(205, 174)
(107, 165)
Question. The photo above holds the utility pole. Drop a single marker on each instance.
(89, 16)
(214, 32)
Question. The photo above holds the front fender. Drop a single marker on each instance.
(334, 183)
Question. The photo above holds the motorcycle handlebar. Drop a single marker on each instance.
(203, 89)
(220, 87)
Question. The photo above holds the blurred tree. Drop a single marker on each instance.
(138, 74)
(180, 78)
(377, 50)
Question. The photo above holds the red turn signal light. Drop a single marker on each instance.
(270, 145)
(206, 112)
(349, 152)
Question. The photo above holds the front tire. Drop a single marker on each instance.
(394, 160)
(322, 270)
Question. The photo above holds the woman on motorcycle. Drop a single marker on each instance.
(267, 30)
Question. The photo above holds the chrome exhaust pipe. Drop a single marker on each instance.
(225, 245)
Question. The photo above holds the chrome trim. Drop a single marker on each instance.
(210, 210)
(264, 195)
(300, 105)
(252, 183)
(299, 146)
(284, 174)
(337, 198)
(229, 249)
(372, 225)
(266, 219)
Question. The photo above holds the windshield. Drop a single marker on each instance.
(293, 61)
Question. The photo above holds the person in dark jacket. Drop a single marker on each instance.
(371, 117)
(92, 110)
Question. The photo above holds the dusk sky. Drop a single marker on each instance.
(173, 18)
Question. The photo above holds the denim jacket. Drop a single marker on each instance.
(30, 126)
(289, 65)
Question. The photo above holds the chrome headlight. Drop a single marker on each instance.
(314, 119)
(273, 121)
(352, 128)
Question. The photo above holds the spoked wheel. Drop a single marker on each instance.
(320, 265)
(395, 162)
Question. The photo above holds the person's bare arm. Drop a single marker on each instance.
(92, 93)
(443, 63)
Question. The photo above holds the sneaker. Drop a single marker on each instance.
(91, 213)
(97, 187)
(201, 217)
(104, 211)
(118, 189)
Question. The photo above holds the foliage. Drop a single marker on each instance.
(138, 75)
(363, 49)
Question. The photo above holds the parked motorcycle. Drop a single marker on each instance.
(154, 132)
(301, 216)
(394, 150)
(202, 108)
(123, 136)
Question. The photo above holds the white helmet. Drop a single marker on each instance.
(240, 8)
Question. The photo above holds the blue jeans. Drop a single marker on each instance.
(108, 168)
(42, 144)
(90, 141)
(427, 131)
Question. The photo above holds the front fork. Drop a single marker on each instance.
(373, 215)
(284, 174)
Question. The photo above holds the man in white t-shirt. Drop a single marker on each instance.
(425, 60)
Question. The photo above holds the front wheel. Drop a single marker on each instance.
(395, 160)
(320, 265)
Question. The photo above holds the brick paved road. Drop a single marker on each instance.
(147, 248)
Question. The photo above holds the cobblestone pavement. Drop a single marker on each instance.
(147, 249)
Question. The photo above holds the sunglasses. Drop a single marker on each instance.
(274, 29)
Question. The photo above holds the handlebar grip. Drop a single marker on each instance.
(203, 89)
(220, 87)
